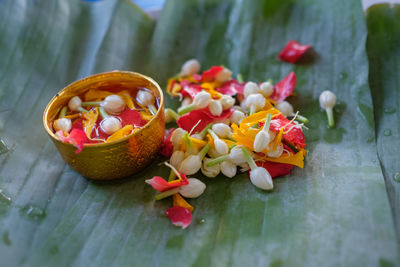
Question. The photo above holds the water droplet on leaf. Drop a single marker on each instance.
(389, 110)
(387, 132)
(396, 177)
(33, 212)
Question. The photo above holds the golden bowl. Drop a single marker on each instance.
(120, 158)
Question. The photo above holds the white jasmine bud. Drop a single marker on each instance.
(192, 163)
(147, 99)
(236, 155)
(327, 101)
(261, 178)
(227, 102)
(176, 158)
(62, 124)
(202, 99)
(176, 137)
(190, 67)
(285, 108)
(212, 171)
(213, 153)
(236, 117)
(113, 104)
(275, 153)
(228, 168)
(220, 146)
(197, 136)
(110, 125)
(223, 76)
(261, 141)
(75, 104)
(267, 88)
(255, 102)
(215, 107)
(250, 88)
(192, 190)
(222, 130)
(263, 138)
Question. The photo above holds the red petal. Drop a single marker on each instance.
(210, 74)
(131, 117)
(284, 88)
(167, 147)
(276, 169)
(160, 184)
(189, 120)
(190, 89)
(295, 135)
(197, 77)
(180, 216)
(293, 51)
(77, 137)
(231, 87)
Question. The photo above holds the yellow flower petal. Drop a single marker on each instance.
(294, 159)
(179, 201)
(126, 96)
(126, 130)
(89, 120)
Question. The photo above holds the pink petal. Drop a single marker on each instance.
(77, 138)
(189, 120)
(167, 147)
(295, 136)
(131, 117)
(190, 89)
(209, 75)
(284, 88)
(160, 184)
(231, 88)
(293, 51)
(180, 216)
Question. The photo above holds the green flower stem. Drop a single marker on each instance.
(232, 146)
(103, 113)
(172, 176)
(152, 109)
(173, 114)
(81, 109)
(186, 109)
(63, 112)
(267, 123)
(231, 138)
(188, 142)
(249, 158)
(240, 78)
(302, 119)
(168, 193)
(204, 151)
(91, 103)
(217, 160)
(204, 131)
(329, 113)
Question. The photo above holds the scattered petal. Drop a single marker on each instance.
(189, 120)
(161, 185)
(167, 147)
(276, 169)
(180, 216)
(131, 117)
(284, 88)
(293, 51)
(210, 74)
(231, 88)
(77, 138)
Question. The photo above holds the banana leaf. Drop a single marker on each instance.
(384, 55)
(333, 212)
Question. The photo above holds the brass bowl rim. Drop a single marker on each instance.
(66, 88)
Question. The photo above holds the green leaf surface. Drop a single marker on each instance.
(333, 212)
(384, 54)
